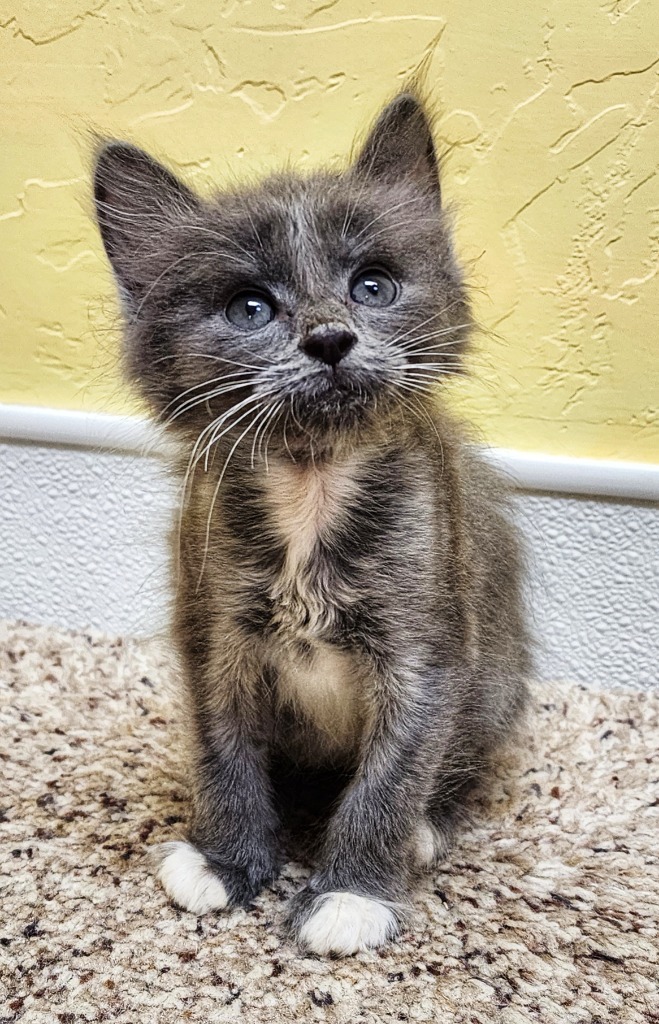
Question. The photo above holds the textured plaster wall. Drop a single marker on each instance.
(92, 552)
(549, 120)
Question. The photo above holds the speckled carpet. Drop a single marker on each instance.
(548, 909)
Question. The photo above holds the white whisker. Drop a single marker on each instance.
(249, 426)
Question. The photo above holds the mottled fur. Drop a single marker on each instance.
(347, 580)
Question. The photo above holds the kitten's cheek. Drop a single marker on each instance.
(188, 880)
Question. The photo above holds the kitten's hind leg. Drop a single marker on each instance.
(431, 844)
(435, 834)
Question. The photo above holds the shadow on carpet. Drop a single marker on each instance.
(547, 909)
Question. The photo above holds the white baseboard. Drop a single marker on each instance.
(529, 471)
(84, 545)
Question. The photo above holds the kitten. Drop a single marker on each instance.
(348, 593)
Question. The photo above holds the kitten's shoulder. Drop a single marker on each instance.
(458, 460)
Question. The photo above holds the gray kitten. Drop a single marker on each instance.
(347, 581)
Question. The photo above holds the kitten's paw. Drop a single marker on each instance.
(430, 845)
(188, 879)
(342, 923)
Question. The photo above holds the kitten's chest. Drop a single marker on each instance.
(314, 677)
(310, 505)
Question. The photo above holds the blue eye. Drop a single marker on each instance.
(250, 311)
(373, 288)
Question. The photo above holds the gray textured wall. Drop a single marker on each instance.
(83, 546)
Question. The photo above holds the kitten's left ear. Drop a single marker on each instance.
(400, 145)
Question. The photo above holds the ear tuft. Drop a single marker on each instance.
(400, 145)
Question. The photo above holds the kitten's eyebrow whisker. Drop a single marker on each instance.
(218, 254)
(399, 225)
(352, 209)
(168, 270)
(391, 209)
(366, 176)
(214, 234)
(257, 236)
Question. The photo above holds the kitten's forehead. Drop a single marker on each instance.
(303, 228)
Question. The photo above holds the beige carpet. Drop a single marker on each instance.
(547, 911)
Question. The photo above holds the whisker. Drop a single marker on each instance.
(249, 426)
(213, 234)
(215, 436)
(228, 378)
(431, 367)
(258, 433)
(430, 335)
(417, 327)
(399, 225)
(415, 404)
(434, 378)
(168, 270)
(269, 435)
(288, 413)
(207, 355)
(196, 400)
(391, 209)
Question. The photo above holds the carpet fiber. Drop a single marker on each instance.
(547, 909)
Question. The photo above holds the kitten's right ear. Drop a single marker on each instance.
(136, 198)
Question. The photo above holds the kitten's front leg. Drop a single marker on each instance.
(233, 849)
(356, 898)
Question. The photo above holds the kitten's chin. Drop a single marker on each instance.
(336, 403)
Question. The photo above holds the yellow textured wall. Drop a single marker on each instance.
(549, 110)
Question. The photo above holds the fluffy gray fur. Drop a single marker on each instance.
(347, 579)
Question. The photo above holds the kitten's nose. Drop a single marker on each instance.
(328, 344)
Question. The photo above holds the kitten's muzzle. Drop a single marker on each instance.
(328, 344)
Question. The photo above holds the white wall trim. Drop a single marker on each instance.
(529, 471)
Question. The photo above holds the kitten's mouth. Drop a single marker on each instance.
(334, 398)
(335, 382)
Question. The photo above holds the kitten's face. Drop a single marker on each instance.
(299, 308)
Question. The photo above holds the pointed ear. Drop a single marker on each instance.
(136, 199)
(400, 145)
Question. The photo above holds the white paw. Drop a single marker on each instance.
(429, 845)
(345, 923)
(188, 880)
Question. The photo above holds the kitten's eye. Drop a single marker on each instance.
(250, 311)
(373, 288)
